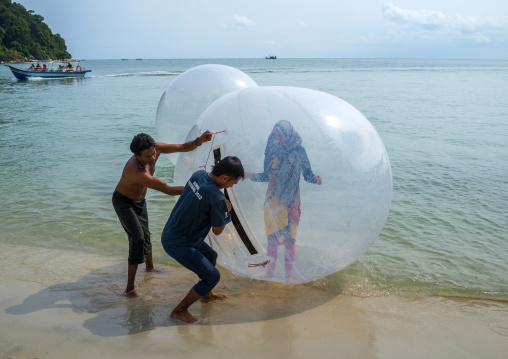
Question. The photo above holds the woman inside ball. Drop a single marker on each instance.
(285, 161)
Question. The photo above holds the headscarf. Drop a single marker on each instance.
(284, 146)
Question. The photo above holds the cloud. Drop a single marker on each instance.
(436, 21)
(239, 22)
(425, 18)
(242, 21)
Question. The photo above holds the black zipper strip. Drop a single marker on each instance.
(234, 218)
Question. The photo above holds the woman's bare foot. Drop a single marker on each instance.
(268, 275)
(211, 297)
(184, 316)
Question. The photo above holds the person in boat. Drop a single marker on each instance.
(201, 207)
(38, 67)
(129, 197)
(284, 163)
(44, 67)
(31, 68)
(69, 67)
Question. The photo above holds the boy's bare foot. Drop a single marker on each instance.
(130, 294)
(211, 297)
(184, 316)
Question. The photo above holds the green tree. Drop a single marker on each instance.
(24, 33)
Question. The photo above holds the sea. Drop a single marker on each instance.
(444, 123)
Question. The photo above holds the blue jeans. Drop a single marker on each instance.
(202, 262)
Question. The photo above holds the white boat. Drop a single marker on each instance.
(49, 69)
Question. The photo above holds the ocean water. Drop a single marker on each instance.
(64, 142)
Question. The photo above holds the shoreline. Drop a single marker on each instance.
(58, 302)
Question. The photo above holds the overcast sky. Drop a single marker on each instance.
(160, 29)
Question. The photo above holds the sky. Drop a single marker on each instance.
(188, 29)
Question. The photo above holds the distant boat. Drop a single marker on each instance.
(49, 70)
(271, 57)
(139, 59)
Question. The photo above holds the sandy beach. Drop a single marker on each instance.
(62, 304)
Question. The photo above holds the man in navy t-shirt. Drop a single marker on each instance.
(201, 207)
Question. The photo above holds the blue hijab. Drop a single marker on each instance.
(286, 159)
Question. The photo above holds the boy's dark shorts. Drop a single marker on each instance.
(133, 216)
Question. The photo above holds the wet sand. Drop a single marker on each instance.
(60, 304)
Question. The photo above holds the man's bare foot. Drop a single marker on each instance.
(211, 297)
(184, 316)
(153, 270)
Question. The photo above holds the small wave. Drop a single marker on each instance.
(141, 74)
(499, 328)
(53, 78)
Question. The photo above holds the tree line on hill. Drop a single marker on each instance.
(24, 35)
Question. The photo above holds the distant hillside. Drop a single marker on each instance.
(23, 34)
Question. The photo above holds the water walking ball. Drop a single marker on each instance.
(317, 188)
(189, 94)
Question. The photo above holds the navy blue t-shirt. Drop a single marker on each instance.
(201, 206)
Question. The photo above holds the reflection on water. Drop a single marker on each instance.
(84, 284)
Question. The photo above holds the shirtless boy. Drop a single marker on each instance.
(129, 197)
